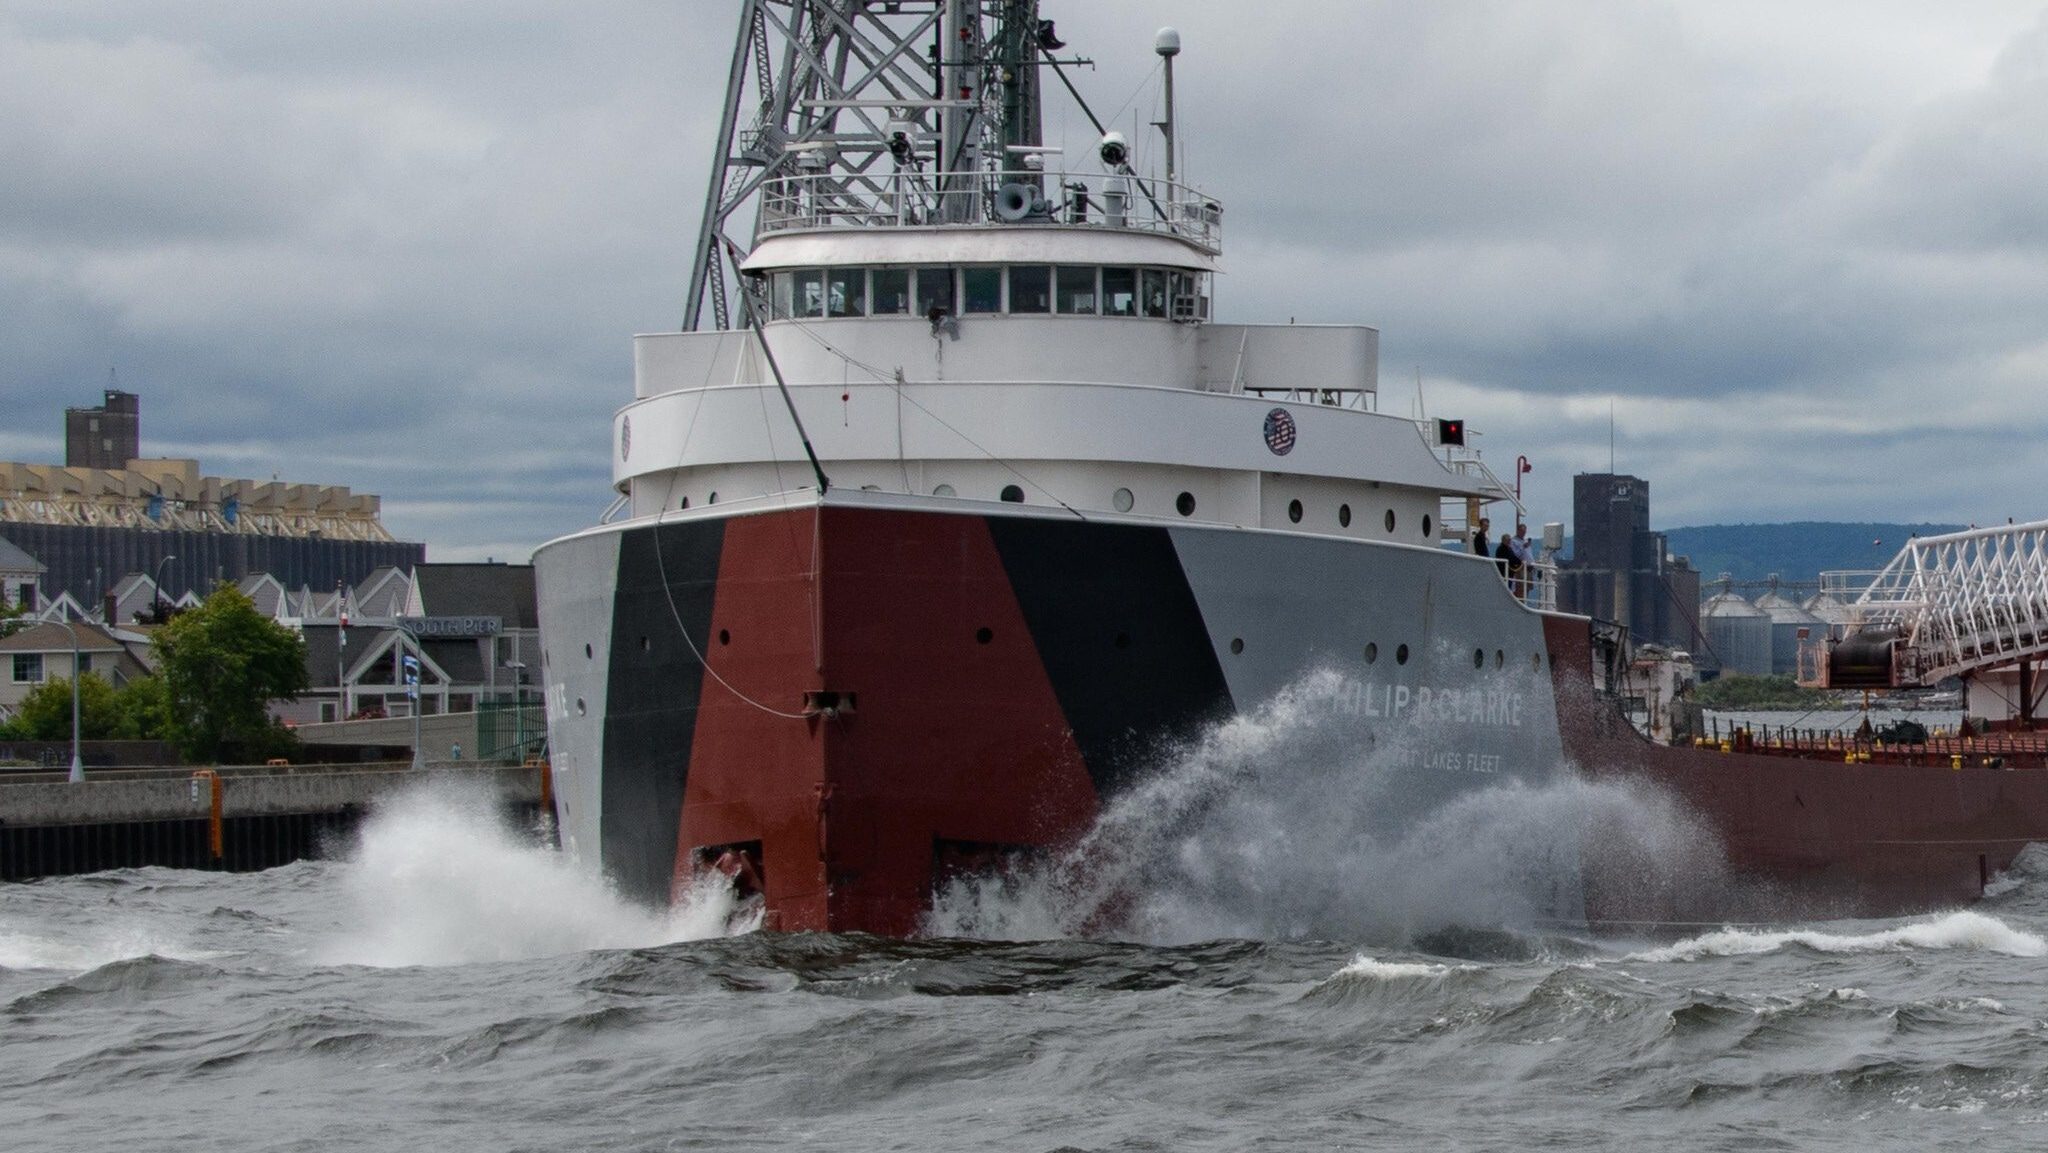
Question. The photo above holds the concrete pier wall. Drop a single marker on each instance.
(268, 815)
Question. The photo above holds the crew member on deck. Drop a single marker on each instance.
(1525, 558)
(1480, 539)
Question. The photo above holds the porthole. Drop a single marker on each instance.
(685, 503)
(943, 490)
(1401, 655)
(1294, 511)
(724, 636)
(1535, 662)
(587, 654)
(1426, 526)
(1500, 659)
(1185, 502)
(1390, 520)
(1372, 653)
(1122, 499)
(984, 635)
(1236, 645)
(1012, 494)
(1478, 658)
(713, 498)
(1343, 516)
(580, 709)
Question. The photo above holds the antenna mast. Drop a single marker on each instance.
(862, 101)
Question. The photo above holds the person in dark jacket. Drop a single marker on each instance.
(1481, 545)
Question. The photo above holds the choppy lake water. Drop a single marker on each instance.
(1284, 984)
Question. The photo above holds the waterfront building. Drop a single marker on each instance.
(1621, 570)
(107, 511)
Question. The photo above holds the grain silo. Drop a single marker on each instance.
(1787, 618)
(1738, 633)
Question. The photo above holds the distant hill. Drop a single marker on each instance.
(1798, 552)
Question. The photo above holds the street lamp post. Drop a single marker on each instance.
(156, 589)
(77, 764)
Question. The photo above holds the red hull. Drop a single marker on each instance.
(947, 736)
(1804, 836)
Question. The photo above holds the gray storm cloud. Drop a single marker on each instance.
(405, 249)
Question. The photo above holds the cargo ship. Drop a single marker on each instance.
(952, 509)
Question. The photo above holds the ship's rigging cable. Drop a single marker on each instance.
(775, 370)
(668, 593)
(895, 382)
(662, 567)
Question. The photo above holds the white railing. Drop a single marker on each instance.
(926, 199)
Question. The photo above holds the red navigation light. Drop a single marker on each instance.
(1450, 431)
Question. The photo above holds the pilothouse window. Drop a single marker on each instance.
(1155, 292)
(810, 293)
(981, 289)
(1031, 288)
(934, 290)
(892, 291)
(1119, 292)
(846, 291)
(1076, 290)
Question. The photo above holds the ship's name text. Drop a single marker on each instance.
(1485, 707)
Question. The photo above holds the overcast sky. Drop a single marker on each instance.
(1799, 250)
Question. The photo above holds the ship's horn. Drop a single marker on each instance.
(1013, 202)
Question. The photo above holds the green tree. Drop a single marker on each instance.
(144, 710)
(1739, 691)
(222, 663)
(13, 618)
(45, 714)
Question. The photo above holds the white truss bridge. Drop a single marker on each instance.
(1959, 603)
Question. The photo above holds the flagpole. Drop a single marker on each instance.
(412, 666)
(340, 653)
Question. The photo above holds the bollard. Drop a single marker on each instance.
(215, 843)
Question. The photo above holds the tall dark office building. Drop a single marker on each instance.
(1622, 571)
(105, 437)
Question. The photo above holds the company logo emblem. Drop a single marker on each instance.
(625, 437)
(1280, 431)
